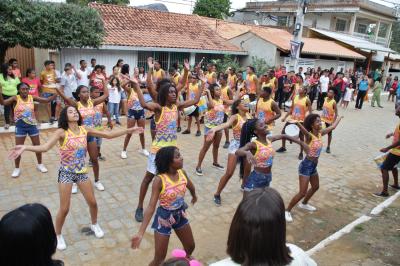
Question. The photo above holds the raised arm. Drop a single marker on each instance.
(148, 213)
(149, 106)
(19, 149)
(150, 85)
(196, 99)
(65, 98)
(183, 80)
(114, 133)
(303, 130)
(103, 97)
(332, 127)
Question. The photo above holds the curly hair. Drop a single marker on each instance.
(63, 119)
(164, 158)
(309, 121)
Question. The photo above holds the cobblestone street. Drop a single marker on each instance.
(347, 177)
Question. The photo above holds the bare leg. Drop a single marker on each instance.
(189, 123)
(314, 181)
(36, 141)
(385, 180)
(395, 173)
(65, 198)
(329, 139)
(226, 131)
(197, 122)
(303, 185)
(185, 235)
(142, 123)
(216, 142)
(93, 154)
(87, 191)
(19, 141)
(160, 249)
(130, 123)
(230, 169)
(283, 132)
(203, 151)
(144, 187)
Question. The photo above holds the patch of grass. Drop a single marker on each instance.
(359, 228)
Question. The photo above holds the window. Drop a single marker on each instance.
(340, 24)
(383, 28)
(282, 21)
(362, 28)
(142, 58)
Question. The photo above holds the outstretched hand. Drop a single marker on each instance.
(186, 64)
(202, 77)
(137, 130)
(16, 152)
(150, 62)
(135, 242)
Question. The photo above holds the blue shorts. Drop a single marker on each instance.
(166, 220)
(22, 129)
(136, 114)
(206, 129)
(90, 139)
(123, 95)
(98, 141)
(257, 180)
(308, 168)
(47, 95)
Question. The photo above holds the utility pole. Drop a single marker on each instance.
(296, 43)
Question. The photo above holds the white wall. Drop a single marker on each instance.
(255, 46)
(103, 57)
(323, 63)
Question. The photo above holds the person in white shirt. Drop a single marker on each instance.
(114, 98)
(69, 81)
(83, 73)
(324, 86)
(257, 235)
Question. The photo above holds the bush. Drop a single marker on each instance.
(260, 65)
(227, 61)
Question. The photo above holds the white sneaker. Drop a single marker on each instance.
(99, 186)
(61, 245)
(41, 168)
(97, 230)
(123, 155)
(16, 172)
(307, 207)
(74, 188)
(288, 217)
(144, 152)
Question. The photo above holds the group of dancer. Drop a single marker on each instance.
(229, 107)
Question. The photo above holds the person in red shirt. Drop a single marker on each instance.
(34, 87)
(393, 88)
(14, 65)
(97, 78)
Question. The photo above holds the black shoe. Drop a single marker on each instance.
(199, 172)
(198, 133)
(300, 157)
(187, 131)
(118, 123)
(178, 129)
(281, 149)
(395, 187)
(217, 200)
(51, 121)
(226, 145)
(328, 150)
(139, 215)
(218, 166)
(381, 194)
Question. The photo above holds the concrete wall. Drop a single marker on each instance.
(323, 63)
(103, 57)
(255, 47)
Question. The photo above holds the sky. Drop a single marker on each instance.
(186, 6)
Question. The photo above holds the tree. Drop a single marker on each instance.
(395, 43)
(212, 8)
(260, 65)
(228, 61)
(47, 25)
(86, 2)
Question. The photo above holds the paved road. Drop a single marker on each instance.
(348, 176)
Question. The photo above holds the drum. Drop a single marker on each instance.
(380, 159)
(189, 110)
(288, 104)
(292, 130)
(252, 105)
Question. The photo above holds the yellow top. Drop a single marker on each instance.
(299, 109)
(396, 135)
(265, 112)
(328, 111)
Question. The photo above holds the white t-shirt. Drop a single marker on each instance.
(300, 258)
(84, 80)
(114, 94)
(70, 84)
(324, 83)
(347, 96)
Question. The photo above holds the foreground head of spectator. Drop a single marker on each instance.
(257, 235)
(27, 237)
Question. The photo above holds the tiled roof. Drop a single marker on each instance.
(280, 38)
(129, 26)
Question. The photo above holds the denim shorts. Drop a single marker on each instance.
(136, 114)
(48, 95)
(206, 129)
(233, 146)
(98, 141)
(257, 180)
(151, 164)
(123, 95)
(90, 139)
(308, 168)
(166, 220)
(22, 129)
(65, 177)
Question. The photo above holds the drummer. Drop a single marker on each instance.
(301, 107)
(267, 109)
(191, 91)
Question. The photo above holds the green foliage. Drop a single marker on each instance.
(228, 61)
(212, 8)
(260, 65)
(86, 2)
(48, 25)
(395, 43)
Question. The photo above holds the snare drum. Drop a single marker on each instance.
(189, 110)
